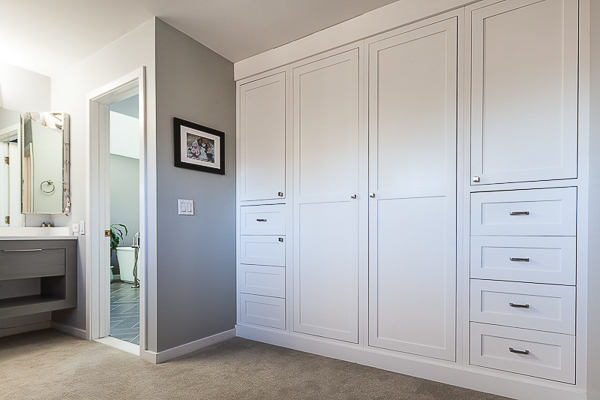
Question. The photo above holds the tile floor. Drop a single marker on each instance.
(125, 312)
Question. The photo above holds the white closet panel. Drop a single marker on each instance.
(524, 91)
(262, 156)
(412, 180)
(326, 128)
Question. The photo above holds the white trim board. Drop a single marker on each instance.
(371, 23)
(184, 349)
(120, 344)
(70, 330)
(475, 378)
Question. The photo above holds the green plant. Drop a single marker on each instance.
(117, 236)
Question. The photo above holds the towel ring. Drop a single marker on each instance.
(49, 182)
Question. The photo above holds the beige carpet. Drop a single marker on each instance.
(51, 365)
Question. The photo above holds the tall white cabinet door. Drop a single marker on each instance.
(524, 91)
(262, 152)
(326, 133)
(412, 180)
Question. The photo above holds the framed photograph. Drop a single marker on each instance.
(199, 147)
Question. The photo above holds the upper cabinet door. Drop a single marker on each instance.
(263, 130)
(524, 91)
(412, 180)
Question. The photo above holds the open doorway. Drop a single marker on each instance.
(125, 220)
(117, 216)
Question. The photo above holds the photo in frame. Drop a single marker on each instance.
(199, 147)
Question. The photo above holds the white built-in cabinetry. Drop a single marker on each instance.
(412, 201)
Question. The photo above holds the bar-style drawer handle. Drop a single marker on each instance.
(524, 352)
(21, 251)
(261, 220)
(519, 259)
(519, 213)
(515, 305)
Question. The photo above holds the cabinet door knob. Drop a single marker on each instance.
(281, 239)
(476, 179)
(280, 194)
(353, 196)
(372, 195)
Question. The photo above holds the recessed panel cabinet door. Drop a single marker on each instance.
(412, 180)
(326, 129)
(262, 152)
(524, 91)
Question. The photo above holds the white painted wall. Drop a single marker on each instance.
(124, 135)
(22, 90)
(69, 91)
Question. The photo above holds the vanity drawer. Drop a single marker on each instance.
(32, 263)
(524, 259)
(263, 250)
(262, 310)
(261, 280)
(548, 308)
(535, 212)
(263, 220)
(539, 354)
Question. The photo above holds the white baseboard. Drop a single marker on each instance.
(70, 330)
(167, 355)
(480, 379)
(120, 344)
(24, 328)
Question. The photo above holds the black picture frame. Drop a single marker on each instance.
(199, 147)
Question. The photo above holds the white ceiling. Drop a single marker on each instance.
(49, 36)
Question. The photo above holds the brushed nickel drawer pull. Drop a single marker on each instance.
(524, 352)
(518, 259)
(261, 220)
(514, 305)
(519, 213)
(21, 251)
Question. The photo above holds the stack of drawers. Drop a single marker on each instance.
(523, 276)
(261, 272)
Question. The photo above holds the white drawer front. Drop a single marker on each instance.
(261, 310)
(536, 212)
(263, 220)
(524, 259)
(261, 280)
(550, 355)
(548, 308)
(263, 250)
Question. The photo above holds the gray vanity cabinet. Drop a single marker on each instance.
(37, 276)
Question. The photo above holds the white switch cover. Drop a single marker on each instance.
(82, 228)
(185, 207)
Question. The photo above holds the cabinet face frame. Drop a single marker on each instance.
(475, 16)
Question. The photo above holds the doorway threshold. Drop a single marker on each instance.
(120, 344)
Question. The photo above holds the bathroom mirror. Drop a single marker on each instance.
(44, 146)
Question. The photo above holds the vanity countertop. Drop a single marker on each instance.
(38, 237)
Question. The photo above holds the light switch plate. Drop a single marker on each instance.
(82, 228)
(185, 207)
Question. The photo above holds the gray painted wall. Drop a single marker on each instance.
(196, 255)
(594, 212)
(124, 197)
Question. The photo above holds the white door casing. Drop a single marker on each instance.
(412, 181)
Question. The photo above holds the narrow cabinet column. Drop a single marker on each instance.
(524, 90)
(262, 125)
(412, 180)
(326, 134)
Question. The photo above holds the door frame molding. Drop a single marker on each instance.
(98, 204)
